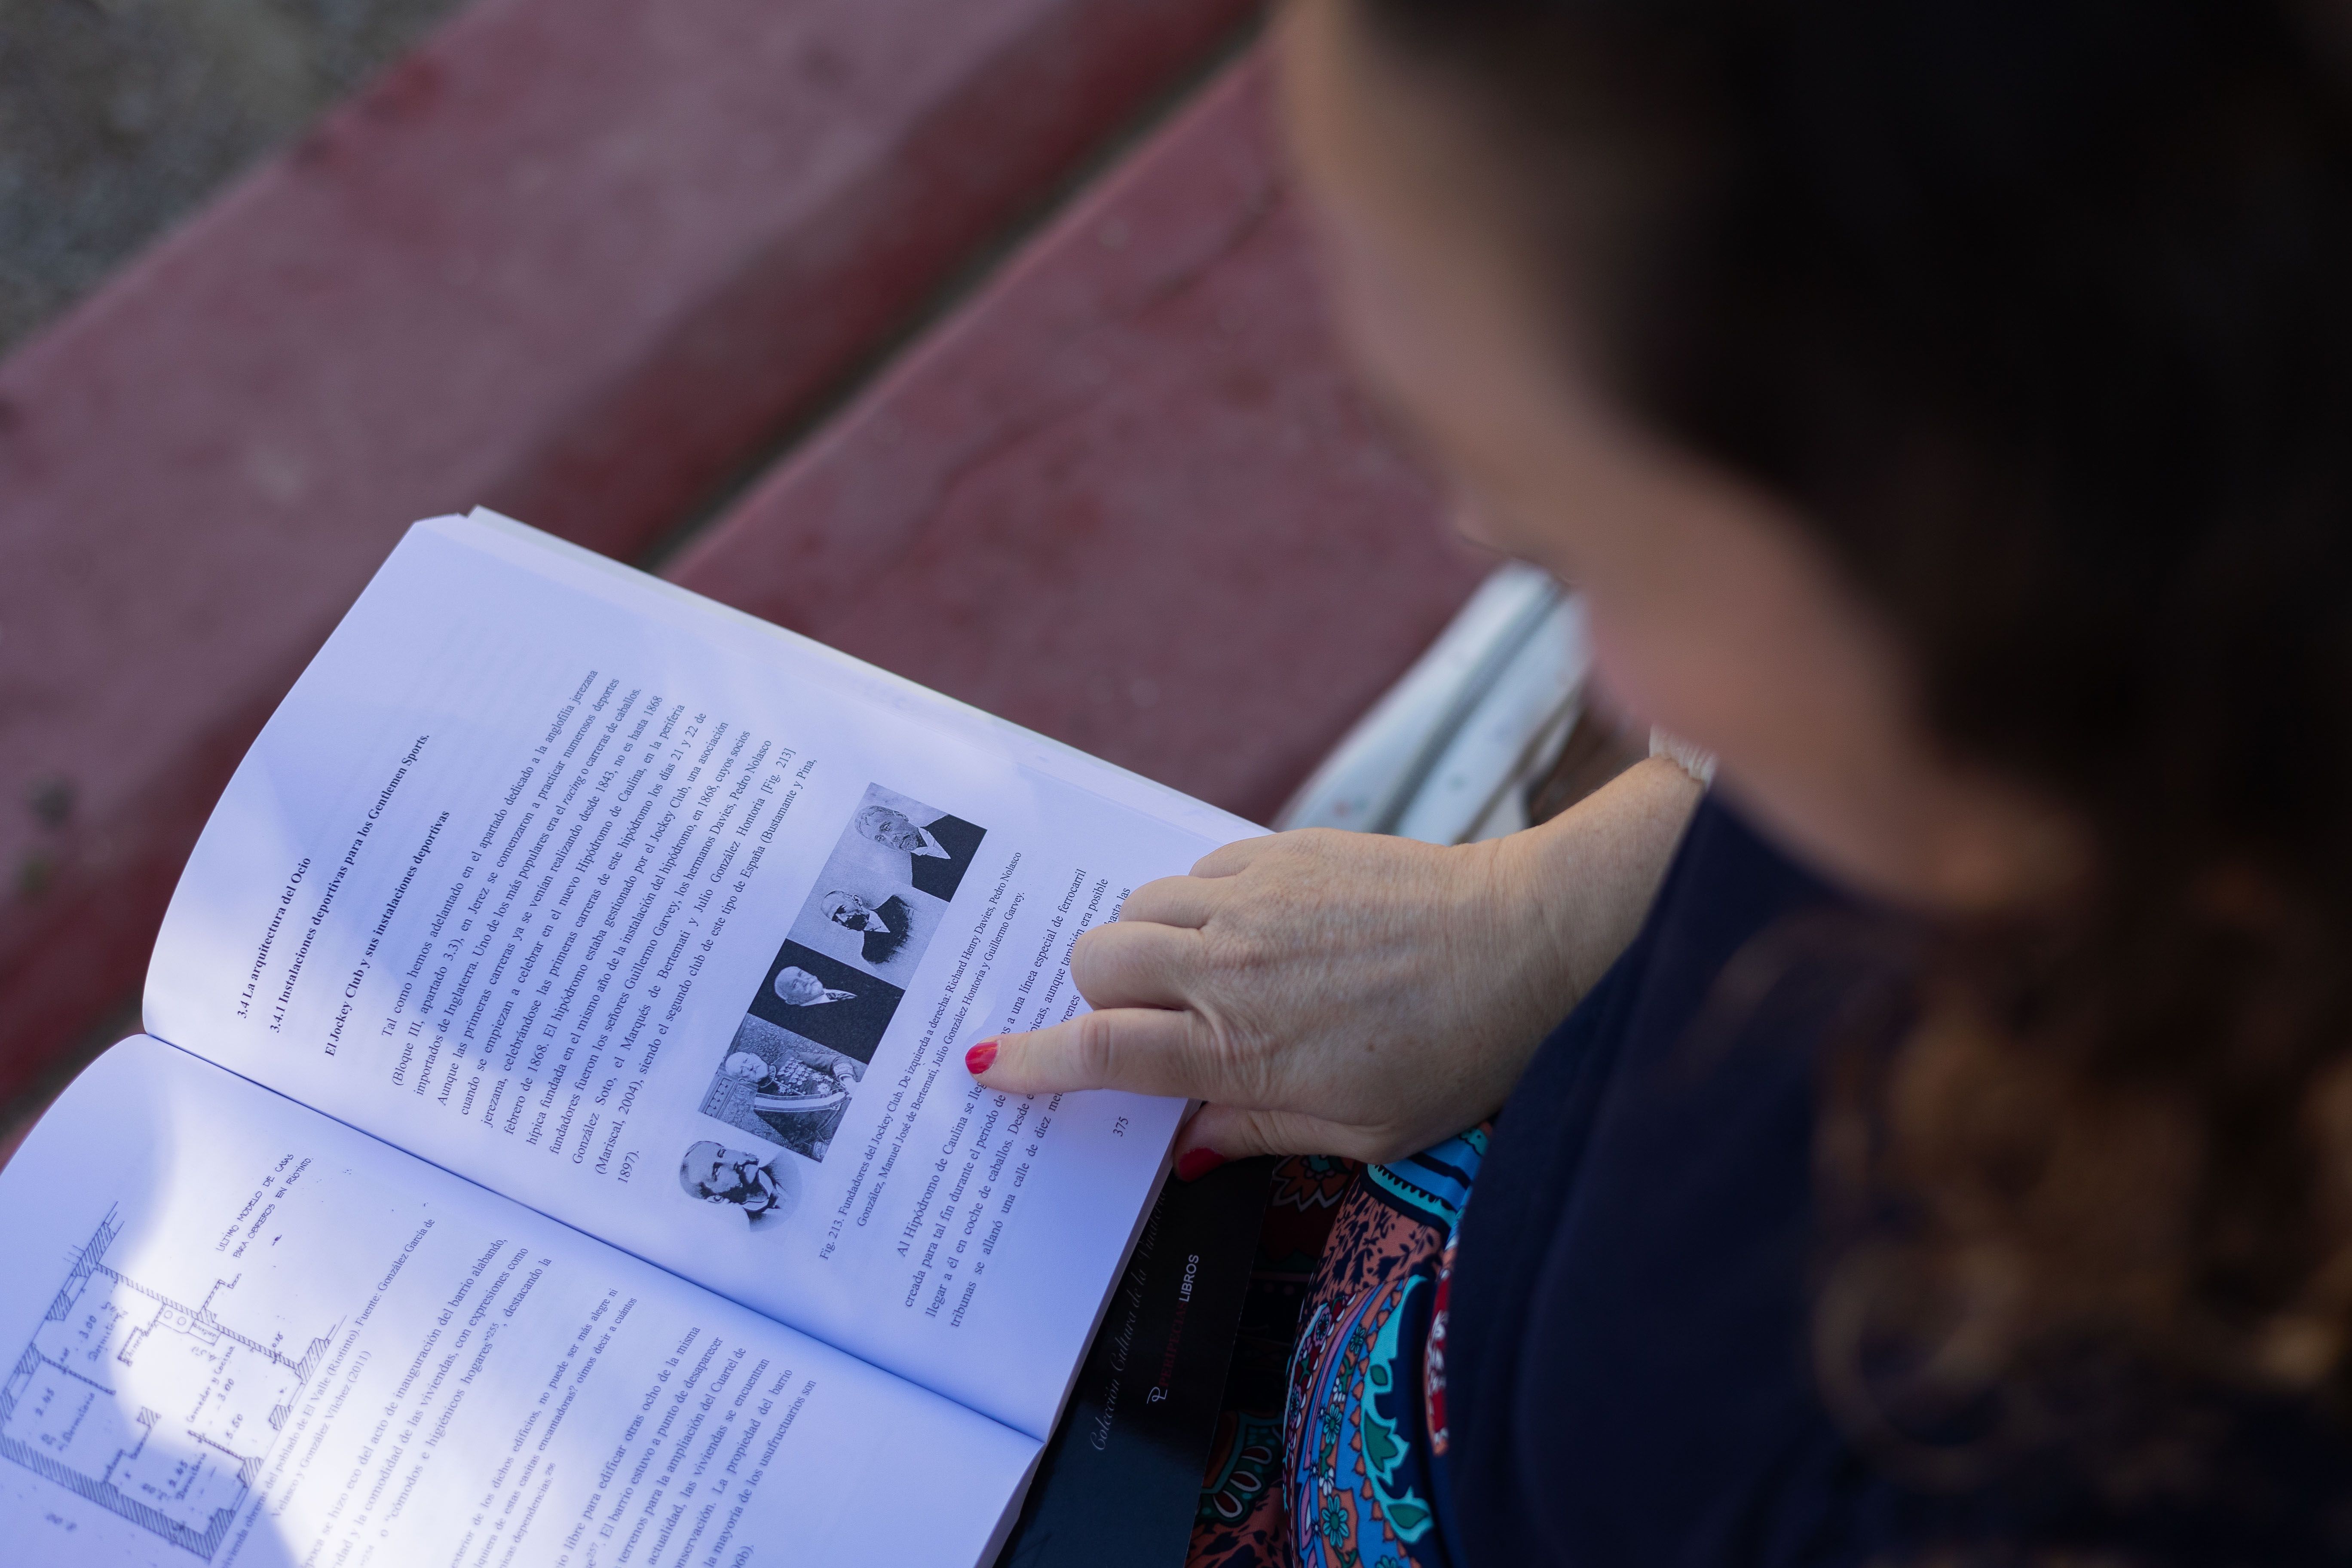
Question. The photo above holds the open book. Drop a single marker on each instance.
(551, 1144)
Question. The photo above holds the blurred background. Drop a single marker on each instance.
(119, 116)
(984, 342)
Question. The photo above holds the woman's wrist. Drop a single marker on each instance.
(1585, 880)
(1533, 921)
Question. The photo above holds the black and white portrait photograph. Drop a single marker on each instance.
(867, 922)
(917, 844)
(757, 1190)
(823, 999)
(781, 1087)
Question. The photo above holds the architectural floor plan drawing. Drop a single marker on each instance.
(145, 1406)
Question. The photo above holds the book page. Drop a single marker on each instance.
(247, 1336)
(677, 928)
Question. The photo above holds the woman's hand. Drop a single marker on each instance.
(1346, 994)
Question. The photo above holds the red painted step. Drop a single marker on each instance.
(579, 259)
(1128, 495)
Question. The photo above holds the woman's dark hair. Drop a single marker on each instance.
(2040, 310)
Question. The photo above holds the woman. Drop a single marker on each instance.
(1945, 410)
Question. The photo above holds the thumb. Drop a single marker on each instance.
(1217, 1133)
(1144, 1050)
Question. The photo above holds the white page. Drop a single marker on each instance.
(505, 880)
(245, 1335)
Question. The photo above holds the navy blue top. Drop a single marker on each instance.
(1629, 1374)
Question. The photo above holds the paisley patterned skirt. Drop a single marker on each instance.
(1337, 1473)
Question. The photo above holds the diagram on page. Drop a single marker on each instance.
(151, 1408)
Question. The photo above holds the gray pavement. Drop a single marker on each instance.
(118, 117)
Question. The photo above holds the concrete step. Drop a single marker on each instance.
(1128, 495)
(582, 260)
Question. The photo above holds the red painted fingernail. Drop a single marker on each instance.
(980, 1058)
(1197, 1164)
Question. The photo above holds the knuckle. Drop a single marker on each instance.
(1088, 960)
(1203, 1041)
(1096, 1048)
(1251, 1133)
(1224, 946)
(1242, 1059)
(1250, 962)
(1147, 899)
(1225, 859)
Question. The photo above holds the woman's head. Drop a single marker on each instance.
(1946, 408)
(1884, 372)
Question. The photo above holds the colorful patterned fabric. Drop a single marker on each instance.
(1302, 1204)
(1341, 1477)
(1245, 1460)
(1243, 1481)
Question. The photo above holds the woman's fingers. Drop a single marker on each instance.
(1170, 901)
(1136, 965)
(1150, 1050)
(1232, 1134)
(1144, 1050)
(1231, 858)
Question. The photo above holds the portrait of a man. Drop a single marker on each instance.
(874, 904)
(939, 847)
(762, 1190)
(796, 987)
(883, 928)
(820, 997)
